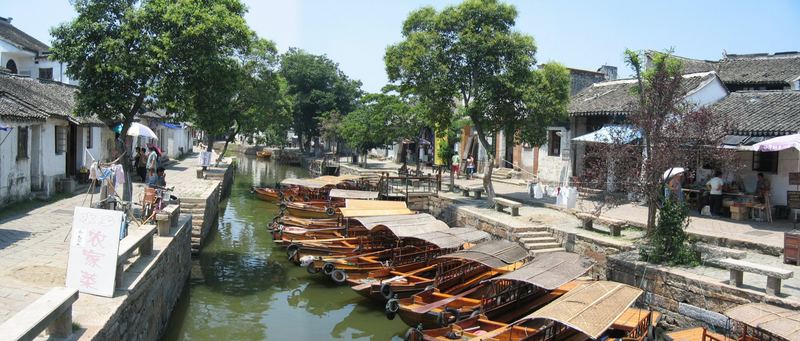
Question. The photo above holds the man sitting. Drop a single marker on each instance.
(158, 179)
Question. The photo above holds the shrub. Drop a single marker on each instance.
(668, 243)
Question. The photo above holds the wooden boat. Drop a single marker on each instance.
(594, 310)
(309, 210)
(433, 308)
(761, 321)
(388, 283)
(274, 195)
(264, 154)
(695, 334)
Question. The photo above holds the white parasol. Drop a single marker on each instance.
(778, 143)
(141, 130)
(673, 172)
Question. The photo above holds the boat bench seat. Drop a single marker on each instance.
(465, 189)
(774, 275)
(52, 311)
(587, 222)
(713, 251)
(141, 239)
(500, 203)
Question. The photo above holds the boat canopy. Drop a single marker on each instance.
(550, 271)
(777, 321)
(353, 194)
(370, 208)
(320, 182)
(590, 308)
(454, 237)
(494, 254)
(410, 225)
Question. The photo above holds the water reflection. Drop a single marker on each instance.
(243, 288)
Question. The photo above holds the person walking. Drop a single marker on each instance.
(715, 190)
(455, 162)
(470, 167)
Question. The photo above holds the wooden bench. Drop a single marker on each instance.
(465, 189)
(52, 311)
(500, 203)
(774, 275)
(141, 239)
(713, 251)
(614, 226)
(167, 219)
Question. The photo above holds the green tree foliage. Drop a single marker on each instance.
(471, 53)
(126, 51)
(316, 86)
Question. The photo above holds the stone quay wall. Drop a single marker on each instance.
(144, 310)
(205, 205)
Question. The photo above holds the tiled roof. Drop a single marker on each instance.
(761, 68)
(15, 109)
(50, 98)
(691, 65)
(616, 97)
(20, 39)
(765, 112)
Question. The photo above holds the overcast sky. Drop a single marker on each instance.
(577, 33)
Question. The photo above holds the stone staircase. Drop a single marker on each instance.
(537, 239)
(197, 208)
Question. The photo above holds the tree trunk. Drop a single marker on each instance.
(487, 172)
(127, 192)
(225, 146)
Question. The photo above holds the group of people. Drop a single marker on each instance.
(470, 165)
(715, 186)
(147, 167)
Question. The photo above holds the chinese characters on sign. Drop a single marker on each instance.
(93, 250)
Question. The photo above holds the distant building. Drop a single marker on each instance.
(23, 55)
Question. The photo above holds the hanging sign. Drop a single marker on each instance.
(793, 199)
(93, 250)
(205, 159)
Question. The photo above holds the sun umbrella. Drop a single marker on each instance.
(141, 130)
(778, 143)
(673, 172)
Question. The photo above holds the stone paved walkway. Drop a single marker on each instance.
(34, 245)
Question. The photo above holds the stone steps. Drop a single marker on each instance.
(538, 240)
(545, 251)
(536, 234)
(542, 246)
(522, 229)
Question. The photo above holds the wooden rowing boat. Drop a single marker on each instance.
(264, 154)
(309, 210)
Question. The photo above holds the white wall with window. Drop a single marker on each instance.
(776, 167)
(15, 169)
(555, 166)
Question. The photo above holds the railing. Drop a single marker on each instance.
(402, 186)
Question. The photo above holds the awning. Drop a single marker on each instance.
(494, 254)
(611, 134)
(774, 320)
(352, 194)
(551, 271)
(370, 208)
(4, 127)
(453, 237)
(410, 225)
(172, 125)
(779, 143)
(590, 308)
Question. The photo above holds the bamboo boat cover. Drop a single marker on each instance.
(590, 308)
(494, 254)
(551, 271)
(320, 182)
(453, 237)
(353, 194)
(774, 320)
(371, 208)
(409, 225)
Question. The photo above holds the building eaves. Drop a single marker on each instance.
(20, 39)
(762, 113)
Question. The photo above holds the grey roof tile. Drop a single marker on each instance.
(767, 113)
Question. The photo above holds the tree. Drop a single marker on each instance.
(124, 52)
(316, 86)
(664, 131)
(470, 52)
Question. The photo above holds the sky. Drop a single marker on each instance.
(579, 34)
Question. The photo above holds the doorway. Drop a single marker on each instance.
(72, 150)
(36, 158)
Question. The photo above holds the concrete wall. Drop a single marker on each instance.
(142, 314)
(98, 150)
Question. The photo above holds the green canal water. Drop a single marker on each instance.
(243, 288)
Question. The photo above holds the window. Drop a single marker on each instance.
(89, 137)
(765, 162)
(22, 143)
(46, 73)
(61, 140)
(11, 66)
(554, 143)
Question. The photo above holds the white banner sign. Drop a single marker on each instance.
(205, 159)
(93, 250)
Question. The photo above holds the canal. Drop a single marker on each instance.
(243, 288)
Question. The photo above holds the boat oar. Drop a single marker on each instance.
(430, 306)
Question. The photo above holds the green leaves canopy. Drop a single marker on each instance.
(380, 119)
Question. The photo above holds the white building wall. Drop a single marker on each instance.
(97, 150)
(708, 94)
(788, 162)
(556, 170)
(14, 174)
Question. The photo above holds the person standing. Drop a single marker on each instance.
(675, 187)
(455, 162)
(715, 190)
(763, 192)
(141, 164)
(152, 162)
(470, 167)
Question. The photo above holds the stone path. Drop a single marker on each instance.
(34, 245)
